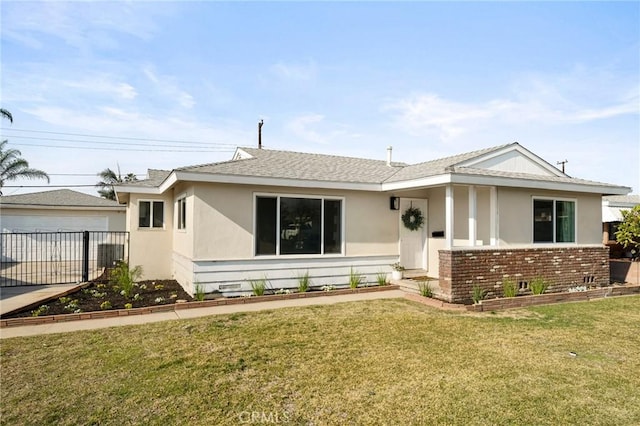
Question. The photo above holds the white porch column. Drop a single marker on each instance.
(493, 215)
(448, 216)
(473, 216)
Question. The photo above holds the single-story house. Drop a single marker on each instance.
(60, 210)
(468, 220)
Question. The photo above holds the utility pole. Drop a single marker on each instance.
(563, 163)
(260, 123)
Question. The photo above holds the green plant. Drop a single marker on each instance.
(125, 278)
(259, 286)
(425, 289)
(381, 278)
(478, 294)
(304, 282)
(72, 306)
(199, 292)
(42, 310)
(64, 300)
(105, 305)
(628, 233)
(509, 287)
(397, 267)
(354, 278)
(128, 306)
(538, 285)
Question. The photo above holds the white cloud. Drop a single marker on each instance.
(167, 86)
(297, 72)
(543, 103)
(78, 24)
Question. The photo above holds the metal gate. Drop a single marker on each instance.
(37, 258)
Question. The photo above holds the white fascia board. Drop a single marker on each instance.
(539, 184)
(516, 147)
(269, 181)
(138, 190)
(418, 183)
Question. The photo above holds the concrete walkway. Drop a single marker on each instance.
(19, 297)
(63, 327)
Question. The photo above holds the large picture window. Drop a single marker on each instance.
(297, 225)
(554, 221)
(151, 214)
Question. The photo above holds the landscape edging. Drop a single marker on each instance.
(50, 319)
(551, 298)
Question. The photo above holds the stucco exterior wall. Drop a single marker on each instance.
(183, 239)
(223, 216)
(151, 248)
(515, 207)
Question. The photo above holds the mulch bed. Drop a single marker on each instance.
(93, 298)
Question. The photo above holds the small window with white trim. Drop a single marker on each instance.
(151, 214)
(181, 206)
(554, 221)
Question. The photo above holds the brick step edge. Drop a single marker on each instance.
(551, 298)
(51, 319)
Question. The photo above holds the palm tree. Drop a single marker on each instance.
(110, 178)
(13, 167)
(6, 114)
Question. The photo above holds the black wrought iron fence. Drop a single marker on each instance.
(37, 258)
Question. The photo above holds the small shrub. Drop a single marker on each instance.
(304, 282)
(72, 306)
(159, 300)
(424, 287)
(381, 278)
(158, 286)
(42, 310)
(509, 287)
(125, 278)
(128, 306)
(283, 291)
(354, 279)
(397, 267)
(174, 295)
(258, 286)
(328, 287)
(198, 294)
(538, 285)
(478, 294)
(64, 300)
(105, 305)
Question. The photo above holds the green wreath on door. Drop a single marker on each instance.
(413, 218)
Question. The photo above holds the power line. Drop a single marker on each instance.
(49, 186)
(125, 149)
(118, 137)
(111, 142)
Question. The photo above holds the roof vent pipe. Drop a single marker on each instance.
(389, 149)
(260, 123)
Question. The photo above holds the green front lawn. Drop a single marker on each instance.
(378, 362)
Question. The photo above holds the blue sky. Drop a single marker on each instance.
(431, 79)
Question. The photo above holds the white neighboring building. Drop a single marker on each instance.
(60, 210)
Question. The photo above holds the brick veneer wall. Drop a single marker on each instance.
(561, 267)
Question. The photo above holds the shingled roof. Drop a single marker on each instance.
(302, 166)
(57, 198)
(271, 165)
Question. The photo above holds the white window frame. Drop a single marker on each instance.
(555, 200)
(181, 220)
(278, 196)
(164, 214)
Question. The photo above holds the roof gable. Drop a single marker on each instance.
(512, 158)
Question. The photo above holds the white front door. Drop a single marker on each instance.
(413, 244)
